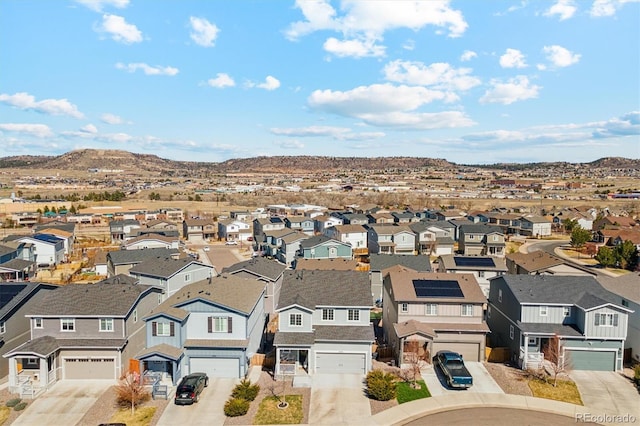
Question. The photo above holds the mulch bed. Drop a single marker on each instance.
(4, 397)
(266, 382)
(510, 379)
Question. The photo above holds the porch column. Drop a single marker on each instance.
(13, 372)
(276, 370)
(44, 371)
(526, 351)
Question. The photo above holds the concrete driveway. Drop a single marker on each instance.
(209, 410)
(338, 399)
(607, 392)
(482, 381)
(65, 403)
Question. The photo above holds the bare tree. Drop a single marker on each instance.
(554, 353)
(414, 363)
(130, 390)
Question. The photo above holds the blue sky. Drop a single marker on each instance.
(473, 82)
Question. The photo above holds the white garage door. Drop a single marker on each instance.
(340, 363)
(89, 368)
(216, 367)
(469, 351)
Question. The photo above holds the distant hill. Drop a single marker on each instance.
(83, 159)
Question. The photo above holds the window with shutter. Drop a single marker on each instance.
(229, 325)
(615, 320)
(210, 324)
(172, 328)
(154, 328)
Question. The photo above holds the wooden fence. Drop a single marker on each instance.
(497, 354)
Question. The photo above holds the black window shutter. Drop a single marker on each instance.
(210, 324)
(154, 328)
(172, 328)
(229, 325)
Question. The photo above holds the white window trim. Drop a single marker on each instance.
(67, 320)
(355, 312)
(544, 311)
(187, 278)
(292, 323)
(511, 332)
(222, 322)
(566, 311)
(330, 314)
(135, 315)
(404, 307)
(468, 308)
(107, 321)
(533, 341)
(3, 327)
(35, 323)
(499, 295)
(160, 326)
(431, 309)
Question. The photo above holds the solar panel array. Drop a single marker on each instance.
(437, 288)
(8, 292)
(480, 262)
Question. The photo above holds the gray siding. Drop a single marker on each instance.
(619, 331)
(176, 340)
(255, 328)
(555, 315)
(85, 328)
(135, 331)
(499, 325)
(509, 304)
(283, 323)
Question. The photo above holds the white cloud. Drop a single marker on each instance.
(221, 81)
(148, 69)
(541, 67)
(512, 8)
(203, 32)
(409, 45)
(367, 20)
(290, 144)
(514, 90)
(468, 55)
(607, 7)
(25, 101)
(561, 57)
(89, 128)
(37, 130)
(111, 119)
(388, 105)
(310, 131)
(353, 48)
(512, 58)
(439, 75)
(119, 29)
(270, 83)
(565, 9)
(98, 5)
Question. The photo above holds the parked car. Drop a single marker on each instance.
(206, 248)
(231, 243)
(452, 366)
(190, 388)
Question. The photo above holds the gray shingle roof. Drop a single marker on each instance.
(312, 288)
(473, 228)
(344, 333)
(163, 268)
(163, 349)
(318, 240)
(559, 329)
(559, 289)
(119, 279)
(216, 343)
(17, 264)
(123, 257)
(24, 292)
(235, 293)
(293, 339)
(46, 345)
(627, 286)
(90, 300)
(380, 262)
(261, 266)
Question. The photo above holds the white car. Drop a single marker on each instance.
(206, 248)
(231, 243)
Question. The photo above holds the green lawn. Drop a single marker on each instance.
(270, 414)
(406, 393)
(566, 391)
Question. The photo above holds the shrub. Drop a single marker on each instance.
(21, 406)
(130, 392)
(245, 390)
(235, 407)
(13, 402)
(636, 374)
(381, 385)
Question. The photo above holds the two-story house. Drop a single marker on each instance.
(323, 222)
(354, 235)
(535, 226)
(199, 230)
(526, 311)
(121, 261)
(268, 271)
(263, 225)
(234, 230)
(379, 263)
(300, 223)
(290, 247)
(213, 326)
(323, 324)
(391, 239)
(120, 228)
(272, 241)
(170, 275)
(67, 237)
(81, 331)
(482, 267)
(540, 262)
(16, 300)
(17, 261)
(323, 247)
(481, 239)
(49, 249)
(426, 312)
(151, 241)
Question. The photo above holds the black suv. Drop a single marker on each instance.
(190, 387)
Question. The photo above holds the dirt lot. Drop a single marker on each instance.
(511, 380)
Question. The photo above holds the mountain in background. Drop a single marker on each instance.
(85, 159)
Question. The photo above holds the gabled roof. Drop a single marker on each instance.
(162, 349)
(411, 327)
(474, 228)
(337, 264)
(124, 257)
(295, 236)
(350, 229)
(380, 262)
(46, 345)
(89, 300)
(297, 219)
(13, 295)
(403, 290)
(229, 291)
(16, 264)
(199, 222)
(120, 279)
(627, 286)
(534, 219)
(46, 238)
(453, 262)
(151, 237)
(123, 222)
(312, 288)
(390, 228)
(259, 266)
(318, 240)
(68, 227)
(583, 291)
(164, 268)
(55, 232)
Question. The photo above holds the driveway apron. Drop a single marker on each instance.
(209, 410)
(607, 392)
(65, 403)
(338, 399)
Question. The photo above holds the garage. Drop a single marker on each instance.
(216, 367)
(89, 368)
(341, 363)
(470, 351)
(592, 360)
